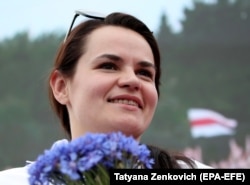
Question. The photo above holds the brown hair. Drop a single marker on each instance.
(169, 160)
(74, 47)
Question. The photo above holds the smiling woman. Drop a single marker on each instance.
(115, 74)
(106, 79)
(106, 57)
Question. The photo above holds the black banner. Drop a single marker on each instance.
(177, 176)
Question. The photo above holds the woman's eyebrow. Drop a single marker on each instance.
(117, 58)
(111, 57)
(147, 64)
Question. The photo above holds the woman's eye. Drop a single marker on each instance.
(145, 73)
(109, 66)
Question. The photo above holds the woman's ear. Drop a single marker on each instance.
(59, 87)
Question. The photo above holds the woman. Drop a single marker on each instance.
(105, 78)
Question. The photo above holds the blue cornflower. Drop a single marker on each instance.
(72, 161)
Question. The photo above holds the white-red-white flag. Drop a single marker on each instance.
(208, 123)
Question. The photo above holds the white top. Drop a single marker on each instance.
(19, 176)
(14, 176)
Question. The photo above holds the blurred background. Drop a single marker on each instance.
(205, 48)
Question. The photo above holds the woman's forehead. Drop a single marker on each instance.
(115, 38)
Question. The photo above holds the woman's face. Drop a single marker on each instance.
(113, 88)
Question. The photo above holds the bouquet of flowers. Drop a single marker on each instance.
(87, 160)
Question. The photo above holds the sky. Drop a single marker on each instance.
(43, 16)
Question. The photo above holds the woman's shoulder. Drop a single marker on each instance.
(197, 165)
(202, 165)
(14, 176)
(20, 175)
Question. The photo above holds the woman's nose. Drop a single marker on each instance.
(129, 80)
